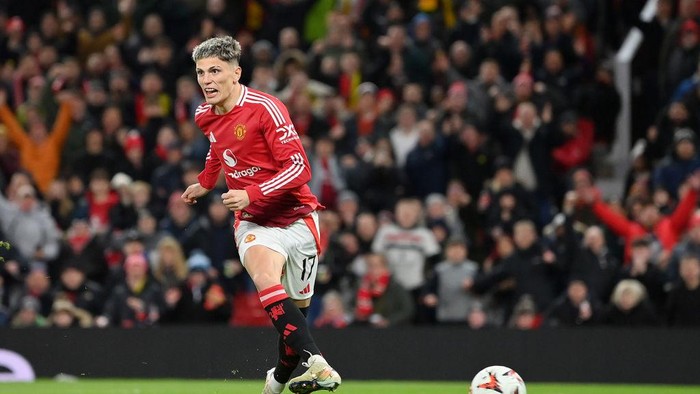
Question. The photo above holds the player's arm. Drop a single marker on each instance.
(286, 148)
(207, 179)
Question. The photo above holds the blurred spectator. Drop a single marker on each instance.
(380, 301)
(137, 301)
(426, 164)
(348, 207)
(99, 200)
(682, 59)
(9, 157)
(575, 150)
(182, 223)
(667, 229)
(468, 149)
(683, 306)
(39, 148)
(74, 286)
(644, 269)
(198, 300)
(404, 136)
(528, 142)
(439, 212)
(167, 177)
(661, 136)
(96, 156)
(36, 286)
(407, 245)
(530, 270)
(681, 162)
(333, 313)
(169, 265)
(83, 248)
(595, 265)
(574, 308)
(448, 288)
(629, 306)
(123, 215)
(66, 315)
(29, 227)
(525, 315)
(328, 179)
(28, 314)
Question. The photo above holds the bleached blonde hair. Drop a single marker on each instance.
(223, 47)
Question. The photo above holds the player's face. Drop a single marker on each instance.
(218, 80)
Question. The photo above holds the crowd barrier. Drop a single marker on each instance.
(411, 353)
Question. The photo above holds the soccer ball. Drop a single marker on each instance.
(497, 379)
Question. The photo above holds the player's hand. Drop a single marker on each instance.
(236, 200)
(193, 192)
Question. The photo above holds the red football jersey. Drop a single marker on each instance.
(257, 147)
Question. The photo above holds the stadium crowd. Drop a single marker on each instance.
(454, 143)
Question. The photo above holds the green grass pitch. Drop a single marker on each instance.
(127, 386)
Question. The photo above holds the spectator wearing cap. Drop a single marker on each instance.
(137, 301)
(682, 161)
(667, 229)
(447, 291)
(74, 287)
(83, 248)
(123, 215)
(29, 227)
(199, 300)
(39, 149)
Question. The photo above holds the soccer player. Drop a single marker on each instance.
(253, 140)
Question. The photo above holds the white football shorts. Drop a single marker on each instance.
(298, 243)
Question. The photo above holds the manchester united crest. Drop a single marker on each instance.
(240, 131)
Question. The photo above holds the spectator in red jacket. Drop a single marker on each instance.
(666, 229)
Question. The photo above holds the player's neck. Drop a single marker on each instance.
(227, 105)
